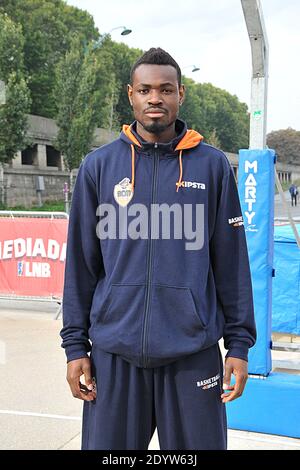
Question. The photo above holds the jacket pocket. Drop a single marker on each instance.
(176, 328)
(124, 300)
(119, 324)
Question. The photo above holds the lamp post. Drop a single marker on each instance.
(125, 31)
(195, 68)
(99, 43)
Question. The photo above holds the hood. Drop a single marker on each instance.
(186, 139)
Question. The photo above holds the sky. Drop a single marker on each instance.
(212, 35)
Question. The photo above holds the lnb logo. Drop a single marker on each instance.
(2, 352)
(20, 268)
(33, 269)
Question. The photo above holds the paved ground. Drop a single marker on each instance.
(37, 410)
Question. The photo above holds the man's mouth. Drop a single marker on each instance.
(155, 113)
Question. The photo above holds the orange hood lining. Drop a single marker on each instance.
(127, 131)
(190, 140)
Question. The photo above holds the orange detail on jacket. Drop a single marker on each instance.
(190, 140)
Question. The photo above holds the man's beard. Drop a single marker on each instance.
(156, 127)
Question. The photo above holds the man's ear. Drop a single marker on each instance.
(181, 94)
(129, 93)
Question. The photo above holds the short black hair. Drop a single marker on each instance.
(156, 56)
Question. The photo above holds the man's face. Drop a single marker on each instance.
(155, 96)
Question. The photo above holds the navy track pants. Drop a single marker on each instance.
(182, 399)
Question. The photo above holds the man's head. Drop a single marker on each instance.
(156, 92)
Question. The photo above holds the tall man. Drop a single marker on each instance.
(157, 272)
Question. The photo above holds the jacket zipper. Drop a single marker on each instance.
(149, 259)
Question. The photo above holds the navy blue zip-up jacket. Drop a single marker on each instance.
(149, 299)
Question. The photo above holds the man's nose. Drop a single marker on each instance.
(154, 98)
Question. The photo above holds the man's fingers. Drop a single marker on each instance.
(89, 380)
(227, 377)
(80, 391)
(237, 389)
(231, 395)
(239, 368)
(227, 387)
(86, 369)
(76, 369)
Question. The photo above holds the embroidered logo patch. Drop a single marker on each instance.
(123, 192)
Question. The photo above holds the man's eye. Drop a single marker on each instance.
(143, 91)
(167, 90)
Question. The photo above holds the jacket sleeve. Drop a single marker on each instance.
(230, 264)
(83, 266)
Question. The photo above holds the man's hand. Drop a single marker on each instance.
(239, 369)
(75, 369)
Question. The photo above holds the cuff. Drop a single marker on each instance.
(76, 351)
(238, 350)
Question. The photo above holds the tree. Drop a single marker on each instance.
(286, 143)
(214, 140)
(48, 27)
(191, 110)
(122, 57)
(13, 115)
(85, 87)
(11, 47)
(219, 116)
(226, 114)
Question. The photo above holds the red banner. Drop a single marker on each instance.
(32, 256)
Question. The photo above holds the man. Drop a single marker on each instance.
(294, 194)
(154, 303)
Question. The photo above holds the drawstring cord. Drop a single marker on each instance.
(178, 184)
(132, 166)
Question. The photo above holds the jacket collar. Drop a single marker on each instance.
(185, 138)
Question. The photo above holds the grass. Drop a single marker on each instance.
(48, 206)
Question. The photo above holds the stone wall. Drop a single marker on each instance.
(18, 179)
(20, 186)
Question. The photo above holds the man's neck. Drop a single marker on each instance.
(164, 137)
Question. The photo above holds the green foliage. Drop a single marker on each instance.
(191, 110)
(226, 114)
(48, 27)
(123, 57)
(85, 88)
(214, 140)
(219, 116)
(286, 143)
(11, 48)
(13, 118)
(13, 115)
